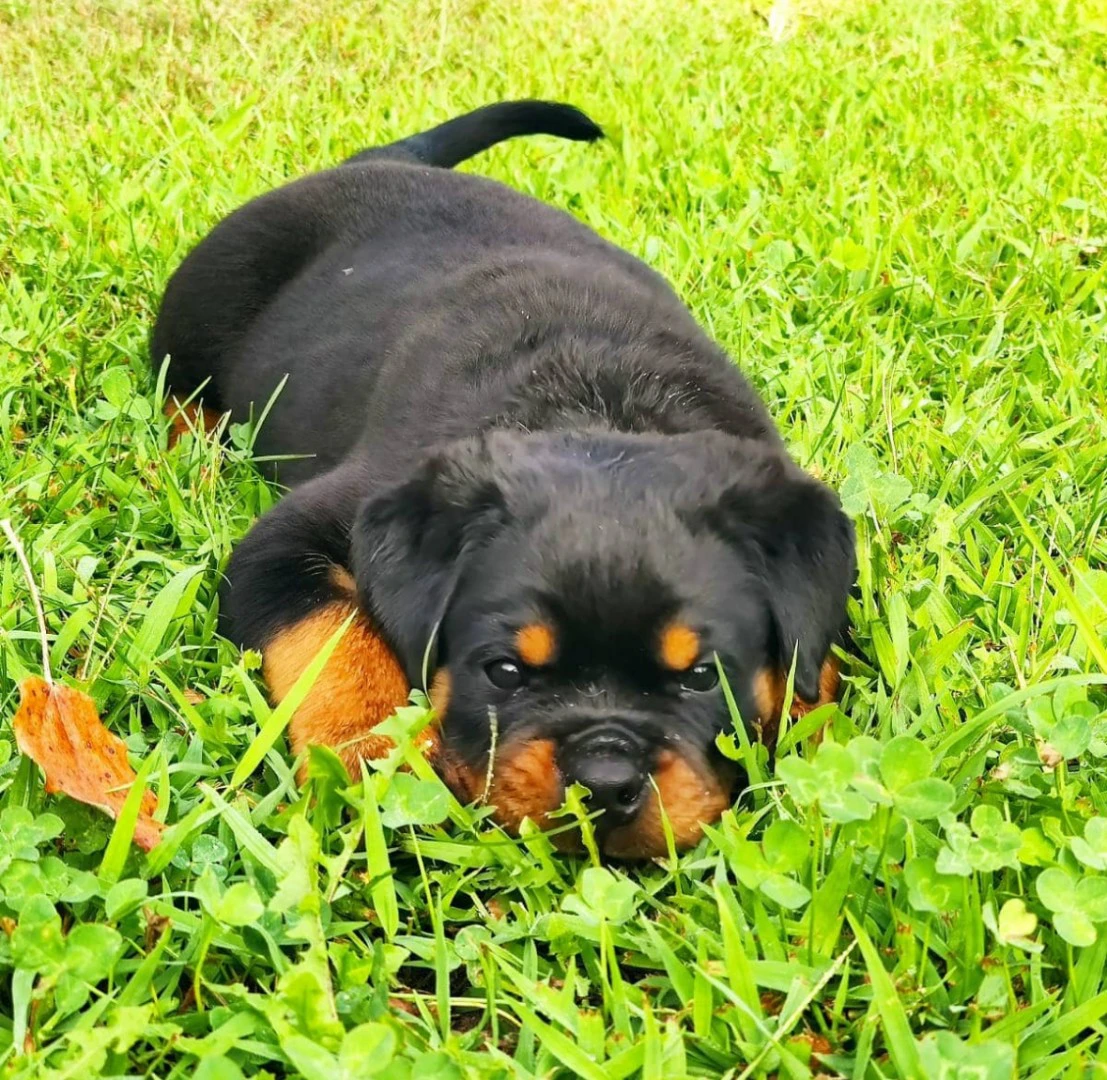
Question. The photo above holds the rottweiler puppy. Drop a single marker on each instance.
(516, 456)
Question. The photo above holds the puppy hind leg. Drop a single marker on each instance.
(189, 417)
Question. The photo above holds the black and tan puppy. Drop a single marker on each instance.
(523, 463)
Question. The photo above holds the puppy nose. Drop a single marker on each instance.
(617, 787)
(612, 769)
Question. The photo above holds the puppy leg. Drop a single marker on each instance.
(287, 592)
(361, 685)
(194, 416)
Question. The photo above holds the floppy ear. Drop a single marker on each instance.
(408, 546)
(794, 528)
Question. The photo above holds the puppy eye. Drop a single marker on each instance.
(505, 674)
(701, 678)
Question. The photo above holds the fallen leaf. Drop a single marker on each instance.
(57, 727)
(156, 926)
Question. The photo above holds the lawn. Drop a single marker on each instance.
(894, 216)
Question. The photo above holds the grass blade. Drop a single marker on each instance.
(119, 845)
(898, 1037)
(382, 887)
(278, 719)
(1083, 623)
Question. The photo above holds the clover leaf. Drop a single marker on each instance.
(87, 955)
(1091, 848)
(905, 766)
(992, 844)
(944, 1055)
(239, 905)
(411, 801)
(1035, 849)
(366, 1050)
(785, 891)
(603, 896)
(1014, 924)
(904, 761)
(930, 890)
(1065, 721)
(1076, 905)
(785, 846)
(867, 485)
(37, 942)
(826, 781)
(953, 857)
(802, 779)
(21, 833)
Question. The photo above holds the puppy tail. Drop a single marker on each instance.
(452, 142)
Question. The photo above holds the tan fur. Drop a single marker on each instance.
(680, 646)
(188, 418)
(536, 644)
(361, 685)
(343, 580)
(691, 795)
(526, 782)
(769, 687)
(440, 693)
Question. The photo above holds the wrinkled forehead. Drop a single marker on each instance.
(620, 551)
(581, 599)
(615, 582)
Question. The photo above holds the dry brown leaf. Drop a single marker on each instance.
(57, 727)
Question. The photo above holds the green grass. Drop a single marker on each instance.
(894, 216)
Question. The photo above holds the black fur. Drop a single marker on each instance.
(506, 418)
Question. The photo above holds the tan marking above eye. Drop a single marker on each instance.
(680, 646)
(343, 580)
(536, 644)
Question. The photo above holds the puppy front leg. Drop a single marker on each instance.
(287, 591)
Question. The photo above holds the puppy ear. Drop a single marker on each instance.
(409, 544)
(793, 528)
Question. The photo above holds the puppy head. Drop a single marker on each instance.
(568, 594)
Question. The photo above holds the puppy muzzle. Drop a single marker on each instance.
(613, 763)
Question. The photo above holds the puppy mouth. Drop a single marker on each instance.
(667, 807)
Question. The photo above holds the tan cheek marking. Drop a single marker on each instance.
(361, 685)
(464, 782)
(680, 647)
(692, 796)
(536, 644)
(768, 695)
(526, 782)
(769, 687)
(188, 418)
